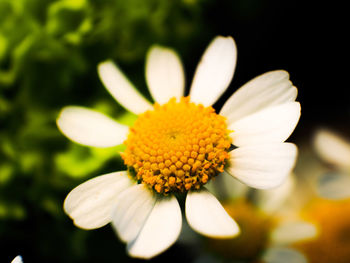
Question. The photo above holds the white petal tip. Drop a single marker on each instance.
(105, 63)
(269, 89)
(159, 232)
(105, 69)
(214, 71)
(17, 259)
(206, 215)
(263, 166)
(274, 124)
(90, 128)
(90, 204)
(119, 86)
(231, 232)
(164, 74)
(131, 211)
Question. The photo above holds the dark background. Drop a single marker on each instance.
(306, 38)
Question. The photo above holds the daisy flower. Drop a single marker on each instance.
(178, 144)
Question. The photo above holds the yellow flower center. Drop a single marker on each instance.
(177, 146)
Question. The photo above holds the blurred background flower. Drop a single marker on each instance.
(49, 50)
(306, 219)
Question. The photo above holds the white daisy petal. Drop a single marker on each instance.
(164, 74)
(206, 215)
(332, 148)
(274, 124)
(335, 186)
(160, 231)
(293, 231)
(90, 128)
(263, 166)
(271, 88)
(215, 71)
(283, 255)
(90, 204)
(17, 259)
(132, 210)
(121, 88)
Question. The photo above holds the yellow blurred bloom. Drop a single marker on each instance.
(333, 242)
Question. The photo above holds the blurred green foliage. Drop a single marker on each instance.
(49, 50)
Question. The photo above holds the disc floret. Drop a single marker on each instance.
(177, 146)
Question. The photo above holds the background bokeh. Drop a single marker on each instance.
(49, 50)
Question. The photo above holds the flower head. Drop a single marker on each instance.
(179, 144)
